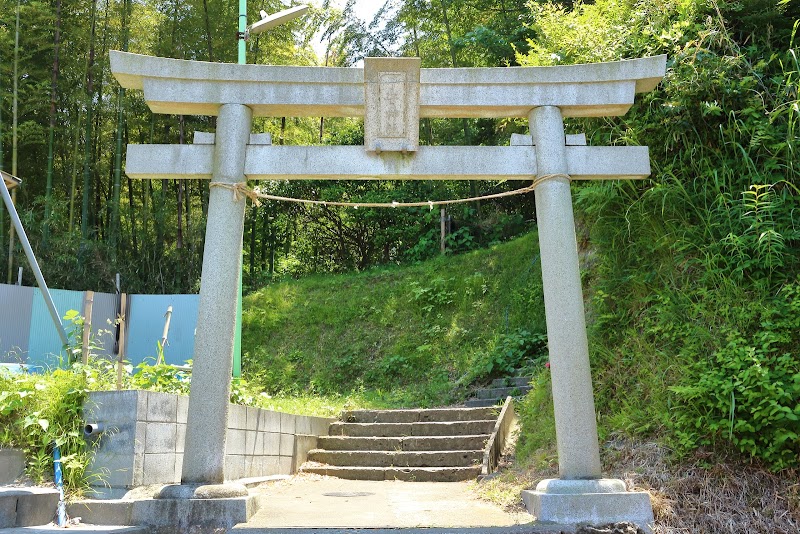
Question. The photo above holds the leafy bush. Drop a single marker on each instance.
(687, 264)
(517, 350)
(748, 391)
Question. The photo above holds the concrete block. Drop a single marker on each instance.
(237, 417)
(285, 465)
(105, 493)
(302, 445)
(25, 507)
(162, 407)
(193, 515)
(178, 467)
(140, 437)
(8, 512)
(287, 445)
(114, 470)
(288, 423)
(180, 438)
(112, 407)
(12, 465)
(572, 502)
(138, 469)
(320, 425)
(234, 466)
(250, 442)
(272, 444)
(236, 441)
(161, 438)
(159, 469)
(252, 466)
(272, 466)
(269, 421)
(183, 409)
(102, 512)
(303, 425)
(252, 417)
(258, 448)
(118, 437)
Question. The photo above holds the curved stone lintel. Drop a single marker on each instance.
(199, 88)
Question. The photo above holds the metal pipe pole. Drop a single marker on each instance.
(242, 59)
(26, 246)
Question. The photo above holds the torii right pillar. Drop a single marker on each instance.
(580, 494)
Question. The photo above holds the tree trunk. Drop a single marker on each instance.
(179, 192)
(51, 134)
(13, 147)
(115, 201)
(87, 153)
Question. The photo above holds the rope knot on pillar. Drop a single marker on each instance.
(240, 191)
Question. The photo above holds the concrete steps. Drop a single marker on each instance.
(439, 445)
(498, 390)
(27, 506)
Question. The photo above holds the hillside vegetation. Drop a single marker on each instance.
(419, 335)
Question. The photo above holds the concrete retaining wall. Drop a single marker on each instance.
(143, 437)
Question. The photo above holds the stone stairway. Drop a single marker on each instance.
(438, 445)
(499, 389)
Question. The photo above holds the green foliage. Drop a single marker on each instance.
(40, 410)
(414, 334)
(536, 419)
(687, 265)
(747, 392)
(516, 350)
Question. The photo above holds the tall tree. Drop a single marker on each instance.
(48, 198)
(87, 152)
(14, 140)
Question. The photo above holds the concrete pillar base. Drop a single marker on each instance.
(593, 502)
(201, 491)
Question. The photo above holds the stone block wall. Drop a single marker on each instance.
(144, 431)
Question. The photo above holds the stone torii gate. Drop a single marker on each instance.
(392, 94)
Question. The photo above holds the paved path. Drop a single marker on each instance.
(324, 502)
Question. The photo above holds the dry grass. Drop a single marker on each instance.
(706, 495)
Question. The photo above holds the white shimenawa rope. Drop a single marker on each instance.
(240, 190)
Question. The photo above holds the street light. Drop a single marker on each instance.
(270, 21)
(267, 22)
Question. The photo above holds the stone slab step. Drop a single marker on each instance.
(27, 507)
(484, 402)
(418, 416)
(12, 465)
(512, 381)
(408, 474)
(410, 443)
(493, 393)
(397, 459)
(456, 428)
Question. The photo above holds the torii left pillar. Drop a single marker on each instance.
(204, 454)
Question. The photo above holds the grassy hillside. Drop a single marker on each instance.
(414, 335)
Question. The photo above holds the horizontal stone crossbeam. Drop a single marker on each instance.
(271, 162)
(199, 88)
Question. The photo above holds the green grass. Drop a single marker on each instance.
(410, 336)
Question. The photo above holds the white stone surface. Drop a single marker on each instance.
(525, 139)
(573, 401)
(198, 88)
(591, 508)
(204, 451)
(353, 163)
(391, 104)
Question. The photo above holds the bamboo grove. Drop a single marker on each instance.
(65, 123)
